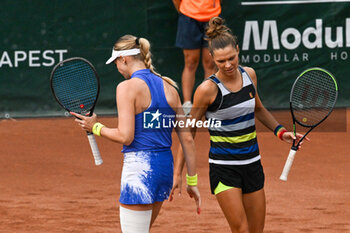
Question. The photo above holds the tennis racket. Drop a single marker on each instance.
(312, 99)
(76, 86)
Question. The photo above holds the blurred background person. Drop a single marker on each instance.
(194, 16)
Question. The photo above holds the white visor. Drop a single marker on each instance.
(116, 54)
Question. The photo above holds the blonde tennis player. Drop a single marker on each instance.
(144, 100)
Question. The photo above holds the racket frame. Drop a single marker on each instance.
(96, 76)
(91, 137)
(295, 147)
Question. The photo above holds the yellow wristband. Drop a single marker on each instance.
(192, 180)
(96, 128)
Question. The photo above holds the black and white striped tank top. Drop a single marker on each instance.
(234, 142)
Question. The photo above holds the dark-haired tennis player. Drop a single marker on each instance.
(230, 96)
(142, 99)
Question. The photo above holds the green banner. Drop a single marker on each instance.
(279, 39)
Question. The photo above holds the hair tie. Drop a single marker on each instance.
(137, 41)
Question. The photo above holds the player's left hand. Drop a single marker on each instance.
(85, 122)
(289, 138)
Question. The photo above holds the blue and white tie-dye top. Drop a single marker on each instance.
(153, 127)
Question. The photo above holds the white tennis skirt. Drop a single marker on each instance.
(147, 177)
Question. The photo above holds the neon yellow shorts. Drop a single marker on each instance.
(221, 187)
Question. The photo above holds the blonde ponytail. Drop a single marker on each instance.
(147, 59)
(132, 42)
(146, 54)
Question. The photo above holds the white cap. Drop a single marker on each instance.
(116, 54)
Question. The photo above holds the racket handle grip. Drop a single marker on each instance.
(288, 164)
(94, 149)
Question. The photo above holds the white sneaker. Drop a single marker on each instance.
(187, 107)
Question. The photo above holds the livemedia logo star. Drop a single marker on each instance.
(151, 120)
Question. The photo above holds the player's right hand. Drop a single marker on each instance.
(177, 184)
(194, 193)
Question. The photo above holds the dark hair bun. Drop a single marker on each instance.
(216, 27)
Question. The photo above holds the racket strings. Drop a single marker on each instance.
(313, 97)
(75, 86)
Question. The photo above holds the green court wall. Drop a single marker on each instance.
(278, 39)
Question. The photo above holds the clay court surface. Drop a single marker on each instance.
(49, 183)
